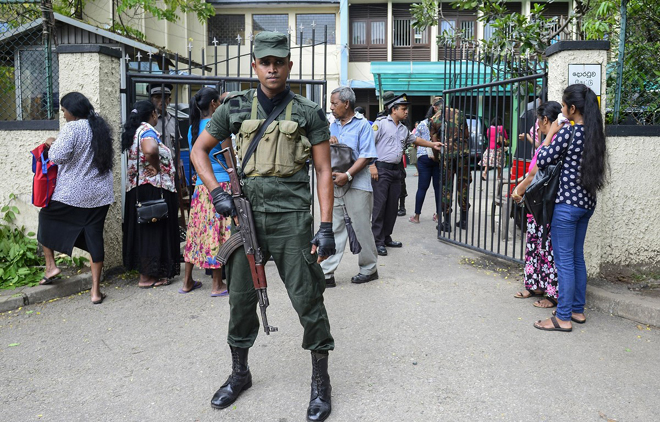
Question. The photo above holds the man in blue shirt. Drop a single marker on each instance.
(353, 188)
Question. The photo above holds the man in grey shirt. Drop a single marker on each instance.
(392, 137)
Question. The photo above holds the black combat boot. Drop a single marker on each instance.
(319, 403)
(239, 380)
(445, 226)
(402, 207)
(463, 222)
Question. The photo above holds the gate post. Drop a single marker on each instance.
(94, 70)
(571, 62)
(585, 60)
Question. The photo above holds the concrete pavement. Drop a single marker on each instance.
(438, 337)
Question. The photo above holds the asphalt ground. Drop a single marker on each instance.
(438, 337)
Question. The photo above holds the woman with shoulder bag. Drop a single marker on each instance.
(83, 193)
(540, 274)
(149, 246)
(582, 175)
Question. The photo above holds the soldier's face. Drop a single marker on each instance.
(272, 72)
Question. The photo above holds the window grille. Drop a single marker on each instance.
(320, 21)
(274, 23)
(225, 28)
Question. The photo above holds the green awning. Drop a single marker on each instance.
(430, 78)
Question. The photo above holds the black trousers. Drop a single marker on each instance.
(386, 204)
(404, 191)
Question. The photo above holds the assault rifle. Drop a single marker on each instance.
(245, 236)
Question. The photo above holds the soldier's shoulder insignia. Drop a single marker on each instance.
(375, 126)
(233, 95)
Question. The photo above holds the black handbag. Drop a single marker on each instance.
(541, 194)
(341, 158)
(149, 211)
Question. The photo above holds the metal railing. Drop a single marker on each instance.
(489, 88)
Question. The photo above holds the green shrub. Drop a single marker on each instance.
(20, 261)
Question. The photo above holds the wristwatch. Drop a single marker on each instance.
(349, 176)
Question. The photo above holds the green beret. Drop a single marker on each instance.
(271, 44)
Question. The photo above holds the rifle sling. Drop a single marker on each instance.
(253, 145)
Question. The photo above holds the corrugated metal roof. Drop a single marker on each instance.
(429, 78)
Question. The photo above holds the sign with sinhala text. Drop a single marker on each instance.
(587, 74)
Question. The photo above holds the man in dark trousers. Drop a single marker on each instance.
(277, 186)
(392, 138)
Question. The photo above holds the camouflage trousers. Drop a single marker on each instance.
(459, 166)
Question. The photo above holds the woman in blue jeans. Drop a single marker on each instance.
(582, 175)
(427, 169)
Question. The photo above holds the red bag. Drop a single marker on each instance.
(45, 176)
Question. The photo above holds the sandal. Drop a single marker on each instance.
(412, 220)
(579, 321)
(521, 295)
(556, 327)
(552, 300)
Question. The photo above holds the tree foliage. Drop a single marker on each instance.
(16, 14)
(531, 34)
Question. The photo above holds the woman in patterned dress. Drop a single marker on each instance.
(540, 274)
(152, 249)
(207, 230)
(582, 176)
(76, 213)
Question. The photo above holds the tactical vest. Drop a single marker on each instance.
(283, 150)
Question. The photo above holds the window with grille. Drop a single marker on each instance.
(368, 32)
(273, 23)
(462, 23)
(318, 21)
(226, 28)
(408, 43)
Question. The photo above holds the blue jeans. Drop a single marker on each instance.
(569, 228)
(427, 169)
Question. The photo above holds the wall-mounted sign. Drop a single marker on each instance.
(587, 74)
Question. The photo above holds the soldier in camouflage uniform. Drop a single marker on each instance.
(448, 125)
(277, 184)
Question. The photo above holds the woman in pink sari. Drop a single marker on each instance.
(540, 274)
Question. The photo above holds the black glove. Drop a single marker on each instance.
(223, 202)
(324, 240)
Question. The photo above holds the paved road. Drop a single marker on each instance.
(437, 337)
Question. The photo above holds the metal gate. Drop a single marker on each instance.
(498, 94)
(187, 77)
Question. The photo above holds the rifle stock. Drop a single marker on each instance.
(246, 236)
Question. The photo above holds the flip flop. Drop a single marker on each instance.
(413, 221)
(149, 286)
(532, 293)
(579, 321)
(556, 327)
(46, 280)
(549, 299)
(196, 285)
(100, 301)
(435, 217)
(222, 293)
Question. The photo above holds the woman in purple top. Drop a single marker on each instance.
(582, 175)
(540, 274)
(76, 214)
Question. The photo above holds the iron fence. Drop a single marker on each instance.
(224, 73)
(492, 91)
